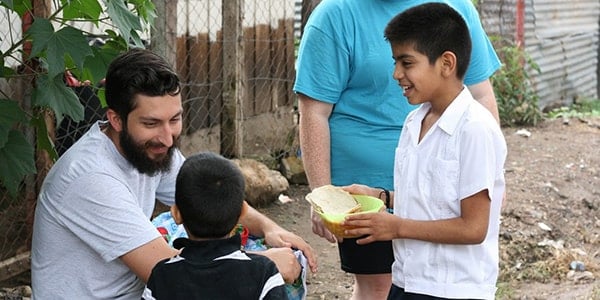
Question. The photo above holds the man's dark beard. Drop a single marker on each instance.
(136, 155)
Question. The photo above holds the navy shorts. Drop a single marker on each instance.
(373, 258)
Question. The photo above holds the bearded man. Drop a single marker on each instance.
(92, 235)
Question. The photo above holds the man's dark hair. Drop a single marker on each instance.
(209, 193)
(433, 28)
(138, 71)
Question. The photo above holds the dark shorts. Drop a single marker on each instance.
(373, 258)
(397, 293)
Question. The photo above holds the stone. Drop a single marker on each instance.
(292, 168)
(263, 185)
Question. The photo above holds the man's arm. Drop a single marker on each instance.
(484, 93)
(275, 236)
(315, 140)
(142, 259)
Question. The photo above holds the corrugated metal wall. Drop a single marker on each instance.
(561, 37)
(499, 18)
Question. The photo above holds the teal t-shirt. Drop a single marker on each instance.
(345, 60)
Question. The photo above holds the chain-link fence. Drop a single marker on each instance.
(15, 212)
(236, 60)
(238, 68)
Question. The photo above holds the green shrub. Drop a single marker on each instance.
(517, 99)
(579, 109)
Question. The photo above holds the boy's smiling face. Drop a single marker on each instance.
(418, 78)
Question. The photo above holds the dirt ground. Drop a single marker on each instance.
(551, 218)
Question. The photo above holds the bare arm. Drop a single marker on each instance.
(142, 259)
(315, 140)
(469, 228)
(484, 93)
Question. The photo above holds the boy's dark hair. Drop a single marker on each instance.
(433, 28)
(209, 193)
(138, 71)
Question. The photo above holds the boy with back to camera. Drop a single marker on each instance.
(448, 170)
(209, 201)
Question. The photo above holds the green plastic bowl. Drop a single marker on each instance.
(332, 221)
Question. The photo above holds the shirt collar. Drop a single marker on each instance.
(449, 119)
(453, 113)
(207, 250)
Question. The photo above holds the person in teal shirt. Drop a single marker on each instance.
(352, 111)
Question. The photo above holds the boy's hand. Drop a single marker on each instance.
(286, 262)
(380, 226)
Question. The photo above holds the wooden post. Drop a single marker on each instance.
(234, 79)
(164, 33)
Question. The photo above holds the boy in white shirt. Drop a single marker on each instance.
(448, 172)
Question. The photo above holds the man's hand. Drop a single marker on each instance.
(279, 237)
(319, 228)
(275, 236)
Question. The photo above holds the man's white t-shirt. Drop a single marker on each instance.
(462, 154)
(94, 207)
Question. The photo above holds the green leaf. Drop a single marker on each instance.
(95, 66)
(4, 70)
(82, 9)
(102, 96)
(116, 41)
(124, 20)
(41, 31)
(53, 93)
(19, 6)
(145, 9)
(66, 41)
(44, 142)
(17, 158)
(10, 114)
(136, 39)
(7, 3)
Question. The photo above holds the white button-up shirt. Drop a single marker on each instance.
(462, 154)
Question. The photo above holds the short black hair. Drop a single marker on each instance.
(138, 71)
(433, 28)
(209, 193)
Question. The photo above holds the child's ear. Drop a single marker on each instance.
(448, 61)
(176, 214)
